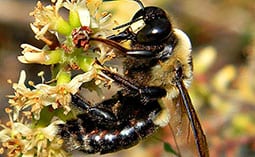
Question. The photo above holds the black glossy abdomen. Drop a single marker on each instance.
(106, 141)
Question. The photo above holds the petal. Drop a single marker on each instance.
(84, 16)
(22, 77)
(30, 57)
(22, 128)
(51, 130)
(5, 135)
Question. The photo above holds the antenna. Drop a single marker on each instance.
(134, 20)
(140, 3)
(127, 24)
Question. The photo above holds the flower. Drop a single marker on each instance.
(62, 50)
(32, 54)
(45, 95)
(21, 139)
(78, 11)
(48, 18)
(36, 109)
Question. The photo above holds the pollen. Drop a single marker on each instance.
(8, 110)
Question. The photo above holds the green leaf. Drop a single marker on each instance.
(45, 117)
(168, 148)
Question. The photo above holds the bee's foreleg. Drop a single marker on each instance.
(99, 115)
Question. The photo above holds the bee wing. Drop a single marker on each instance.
(184, 123)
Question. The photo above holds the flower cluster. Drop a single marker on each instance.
(36, 110)
(57, 33)
(21, 139)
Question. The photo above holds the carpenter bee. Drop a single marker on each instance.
(157, 71)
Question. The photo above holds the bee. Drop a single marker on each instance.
(157, 72)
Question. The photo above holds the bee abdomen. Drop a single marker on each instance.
(127, 137)
(105, 141)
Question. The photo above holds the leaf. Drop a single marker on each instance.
(168, 148)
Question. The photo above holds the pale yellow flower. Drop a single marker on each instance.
(88, 11)
(45, 16)
(45, 95)
(80, 7)
(21, 139)
(32, 54)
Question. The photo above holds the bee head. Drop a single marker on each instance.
(157, 26)
(156, 29)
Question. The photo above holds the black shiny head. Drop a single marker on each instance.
(157, 26)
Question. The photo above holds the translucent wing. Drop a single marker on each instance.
(184, 123)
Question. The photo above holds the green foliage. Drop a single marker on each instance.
(168, 148)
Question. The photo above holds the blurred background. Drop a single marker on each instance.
(222, 33)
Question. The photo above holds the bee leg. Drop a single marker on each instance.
(148, 92)
(140, 53)
(127, 34)
(100, 115)
(124, 51)
(153, 92)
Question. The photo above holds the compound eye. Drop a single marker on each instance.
(154, 32)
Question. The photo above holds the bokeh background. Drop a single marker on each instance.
(222, 33)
